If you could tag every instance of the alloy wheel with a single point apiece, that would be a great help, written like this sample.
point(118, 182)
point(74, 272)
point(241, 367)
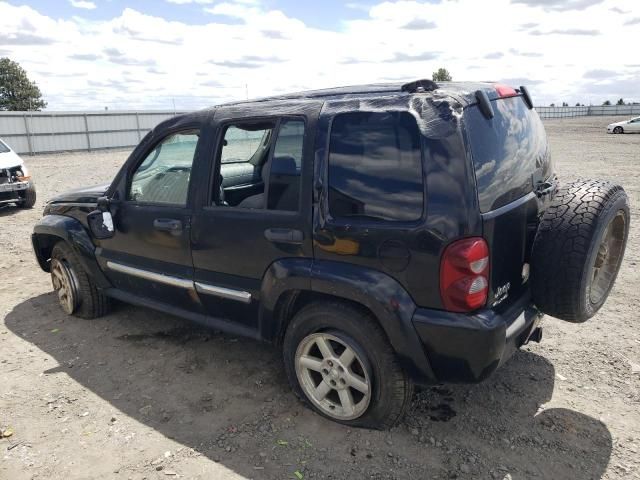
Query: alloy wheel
point(65, 285)
point(608, 258)
point(333, 376)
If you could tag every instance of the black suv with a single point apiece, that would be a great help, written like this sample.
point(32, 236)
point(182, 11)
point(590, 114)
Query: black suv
point(381, 235)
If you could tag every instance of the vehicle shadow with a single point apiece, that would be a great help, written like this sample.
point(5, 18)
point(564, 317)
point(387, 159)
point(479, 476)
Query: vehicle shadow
point(228, 399)
point(8, 209)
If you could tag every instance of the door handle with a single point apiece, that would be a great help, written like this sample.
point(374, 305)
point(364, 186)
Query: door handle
point(284, 235)
point(168, 225)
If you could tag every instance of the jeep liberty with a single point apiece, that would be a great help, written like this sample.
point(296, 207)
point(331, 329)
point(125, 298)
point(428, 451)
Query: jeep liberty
point(382, 236)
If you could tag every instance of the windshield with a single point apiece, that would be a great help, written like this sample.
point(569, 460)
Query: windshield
point(3, 148)
point(510, 152)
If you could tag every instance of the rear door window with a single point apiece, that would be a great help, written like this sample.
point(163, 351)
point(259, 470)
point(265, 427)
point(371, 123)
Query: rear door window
point(3, 147)
point(510, 152)
point(375, 167)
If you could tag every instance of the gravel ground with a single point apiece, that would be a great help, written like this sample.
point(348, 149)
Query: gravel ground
point(139, 394)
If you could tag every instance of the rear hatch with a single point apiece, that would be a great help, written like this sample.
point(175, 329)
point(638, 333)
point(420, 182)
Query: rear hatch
point(515, 181)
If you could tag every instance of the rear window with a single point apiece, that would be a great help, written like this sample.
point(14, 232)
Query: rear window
point(375, 167)
point(3, 147)
point(510, 152)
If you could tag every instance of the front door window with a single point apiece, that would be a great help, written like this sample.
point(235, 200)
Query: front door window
point(163, 176)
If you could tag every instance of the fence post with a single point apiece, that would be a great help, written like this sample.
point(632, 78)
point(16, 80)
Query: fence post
point(86, 129)
point(138, 126)
point(26, 128)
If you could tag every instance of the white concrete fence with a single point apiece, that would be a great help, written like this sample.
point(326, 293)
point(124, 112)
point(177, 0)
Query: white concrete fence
point(48, 132)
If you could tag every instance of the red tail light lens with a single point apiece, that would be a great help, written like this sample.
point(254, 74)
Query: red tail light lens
point(505, 90)
point(464, 275)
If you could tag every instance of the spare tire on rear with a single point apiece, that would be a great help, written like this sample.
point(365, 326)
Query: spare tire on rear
point(578, 249)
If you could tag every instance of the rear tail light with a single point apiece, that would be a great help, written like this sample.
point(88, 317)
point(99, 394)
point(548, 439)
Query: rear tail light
point(464, 275)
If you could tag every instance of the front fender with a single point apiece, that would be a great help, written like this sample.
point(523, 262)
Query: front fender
point(53, 228)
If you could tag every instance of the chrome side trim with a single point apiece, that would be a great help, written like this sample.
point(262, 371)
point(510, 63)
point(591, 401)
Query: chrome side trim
point(152, 276)
point(244, 297)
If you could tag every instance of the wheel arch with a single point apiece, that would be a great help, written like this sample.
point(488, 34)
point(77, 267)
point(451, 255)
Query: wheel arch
point(52, 229)
point(291, 284)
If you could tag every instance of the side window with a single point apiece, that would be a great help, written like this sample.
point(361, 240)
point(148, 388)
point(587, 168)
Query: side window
point(258, 171)
point(163, 176)
point(241, 143)
point(375, 167)
point(286, 165)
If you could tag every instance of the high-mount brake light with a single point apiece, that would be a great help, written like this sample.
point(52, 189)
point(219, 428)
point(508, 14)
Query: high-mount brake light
point(464, 275)
point(505, 90)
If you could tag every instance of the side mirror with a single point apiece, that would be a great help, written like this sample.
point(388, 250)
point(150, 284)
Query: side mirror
point(100, 221)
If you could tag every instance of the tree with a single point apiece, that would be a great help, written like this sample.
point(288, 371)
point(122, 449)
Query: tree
point(441, 75)
point(17, 92)
point(620, 102)
point(565, 104)
point(578, 104)
point(606, 103)
point(552, 104)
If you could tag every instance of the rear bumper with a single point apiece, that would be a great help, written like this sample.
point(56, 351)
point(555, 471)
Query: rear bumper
point(468, 348)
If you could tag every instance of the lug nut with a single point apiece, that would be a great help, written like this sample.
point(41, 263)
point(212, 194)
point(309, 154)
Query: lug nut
point(325, 371)
point(330, 363)
point(333, 383)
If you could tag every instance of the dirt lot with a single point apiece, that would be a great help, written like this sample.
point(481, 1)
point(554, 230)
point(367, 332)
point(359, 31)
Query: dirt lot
point(139, 394)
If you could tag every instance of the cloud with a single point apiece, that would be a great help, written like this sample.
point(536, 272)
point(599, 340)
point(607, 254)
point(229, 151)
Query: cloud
point(525, 54)
point(566, 31)
point(559, 5)
point(618, 10)
point(419, 24)
point(274, 34)
point(494, 55)
point(600, 74)
point(247, 61)
point(252, 43)
point(633, 21)
point(89, 57)
point(420, 57)
point(84, 4)
point(186, 2)
point(18, 38)
point(518, 81)
point(116, 56)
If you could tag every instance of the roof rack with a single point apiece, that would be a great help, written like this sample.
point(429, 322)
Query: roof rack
point(420, 86)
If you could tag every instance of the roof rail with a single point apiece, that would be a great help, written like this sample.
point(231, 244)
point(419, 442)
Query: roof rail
point(419, 86)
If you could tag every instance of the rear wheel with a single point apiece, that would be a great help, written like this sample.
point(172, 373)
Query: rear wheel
point(339, 361)
point(618, 130)
point(578, 249)
point(76, 291)
point(28, 197)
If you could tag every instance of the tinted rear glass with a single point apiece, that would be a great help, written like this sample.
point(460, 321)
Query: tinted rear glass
point(375, 167)
point(3, 148)
point(509, 151)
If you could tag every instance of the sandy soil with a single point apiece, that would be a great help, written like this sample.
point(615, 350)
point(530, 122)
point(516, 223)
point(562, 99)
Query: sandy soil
point(139, 394)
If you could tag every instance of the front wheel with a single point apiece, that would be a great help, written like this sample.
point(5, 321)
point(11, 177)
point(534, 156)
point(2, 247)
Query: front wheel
point(76, 291)
point(339, 361)
point(28, 197)
point(618, 130)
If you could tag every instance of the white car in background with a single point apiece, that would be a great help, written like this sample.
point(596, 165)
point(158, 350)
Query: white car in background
point(16, 185)
point(627, 126)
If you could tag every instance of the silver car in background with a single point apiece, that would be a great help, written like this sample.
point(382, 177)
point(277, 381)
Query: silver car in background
point(16, 184)
point(626, 126)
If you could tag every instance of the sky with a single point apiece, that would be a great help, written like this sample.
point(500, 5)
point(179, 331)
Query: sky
point(189, 54)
